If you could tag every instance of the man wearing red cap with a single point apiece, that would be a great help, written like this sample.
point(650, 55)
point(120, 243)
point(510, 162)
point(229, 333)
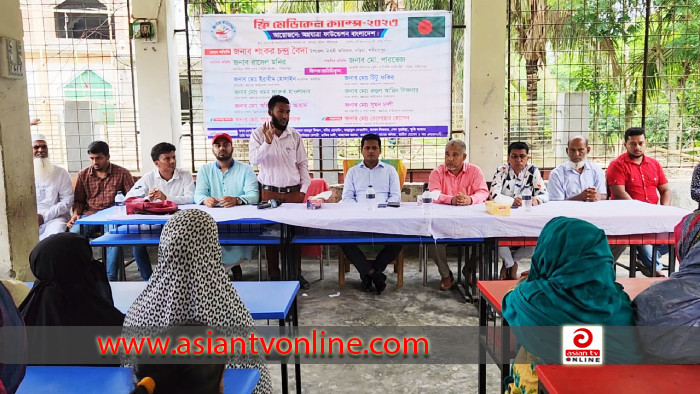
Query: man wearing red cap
point(284, 169)
point(227, 183)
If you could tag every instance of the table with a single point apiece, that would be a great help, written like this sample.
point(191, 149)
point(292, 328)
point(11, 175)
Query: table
point(564, 379)
point(651, 224)
point(500, 349)
point(118, 380)
point(237, 226)
point(255, 296)
point(445, 222)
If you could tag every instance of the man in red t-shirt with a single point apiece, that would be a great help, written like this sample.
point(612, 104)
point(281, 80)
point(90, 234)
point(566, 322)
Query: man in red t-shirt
point(634, 176)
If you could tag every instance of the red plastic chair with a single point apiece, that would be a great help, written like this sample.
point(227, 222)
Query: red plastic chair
point(318, 185)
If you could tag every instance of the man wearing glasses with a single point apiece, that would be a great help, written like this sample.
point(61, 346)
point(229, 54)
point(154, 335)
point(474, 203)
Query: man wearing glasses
point(510, 180)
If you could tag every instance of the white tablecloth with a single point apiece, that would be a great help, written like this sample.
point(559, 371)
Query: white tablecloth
point(620, 217)
point(614, 217)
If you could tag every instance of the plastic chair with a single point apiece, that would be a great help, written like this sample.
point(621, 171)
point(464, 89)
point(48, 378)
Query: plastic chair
point(318, 185)
point(343, 263)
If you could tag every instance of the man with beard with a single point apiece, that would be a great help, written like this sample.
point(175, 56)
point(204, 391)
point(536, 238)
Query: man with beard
point(54, 190)
point(165, 182)
point(634, 176)
point(227, 183)
point(460, 184)
point(95, 189)
point(578, 179)
point(284, 170)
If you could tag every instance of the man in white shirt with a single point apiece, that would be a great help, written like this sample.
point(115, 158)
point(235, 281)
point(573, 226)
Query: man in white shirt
point(165, 182)
point(385, 181)
point(284, 170)
point(54, 190)
point(578, 179)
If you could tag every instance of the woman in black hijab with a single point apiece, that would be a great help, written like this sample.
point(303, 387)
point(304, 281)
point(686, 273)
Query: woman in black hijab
point(71, 288)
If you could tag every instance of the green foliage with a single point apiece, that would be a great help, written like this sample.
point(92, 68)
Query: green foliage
point(598, 46)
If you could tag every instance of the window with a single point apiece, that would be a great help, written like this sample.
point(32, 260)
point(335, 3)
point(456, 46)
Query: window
point(83, 19)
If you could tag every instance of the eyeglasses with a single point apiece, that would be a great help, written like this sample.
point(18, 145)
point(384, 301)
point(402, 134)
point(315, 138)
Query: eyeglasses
point(516, 157)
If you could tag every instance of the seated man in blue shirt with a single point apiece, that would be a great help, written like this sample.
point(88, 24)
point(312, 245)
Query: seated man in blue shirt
point(385, 181)
point(227, 183)
point(578, 179)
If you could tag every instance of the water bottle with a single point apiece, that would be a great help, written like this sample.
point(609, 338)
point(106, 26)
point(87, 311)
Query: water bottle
point(426, 201)
point(371, 198)
point(527, 198)
point(119, 203)
point(140, 192)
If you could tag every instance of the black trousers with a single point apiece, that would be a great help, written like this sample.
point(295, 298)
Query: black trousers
point(359, 260)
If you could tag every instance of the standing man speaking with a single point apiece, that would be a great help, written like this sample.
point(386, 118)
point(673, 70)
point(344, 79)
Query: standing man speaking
point(279, 152)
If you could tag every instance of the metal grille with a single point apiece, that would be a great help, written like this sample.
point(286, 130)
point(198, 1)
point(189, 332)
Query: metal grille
point(597, 67)
point(417, 153)
point(80, 78)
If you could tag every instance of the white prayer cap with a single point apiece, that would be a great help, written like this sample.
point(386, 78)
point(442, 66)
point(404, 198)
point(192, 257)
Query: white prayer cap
point(38, 137)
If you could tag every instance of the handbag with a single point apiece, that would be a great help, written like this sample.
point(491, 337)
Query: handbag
point(139, 205)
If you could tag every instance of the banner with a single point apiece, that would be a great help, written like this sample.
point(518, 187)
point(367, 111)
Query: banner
point(345, 75)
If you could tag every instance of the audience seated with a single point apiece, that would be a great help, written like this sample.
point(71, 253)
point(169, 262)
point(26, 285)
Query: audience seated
point(578, 179)
point(571, 281)
point(510, 180)
point(460, 184)
point(227, 183)
point(71, 289)
point(385, 181)
point(54, 190)
point(165, 182)
point(179, 379)
point(636, 176)
point(18, 290)
point(675, 302)
point(189, 285)
point(11, 375)
point(95, 189)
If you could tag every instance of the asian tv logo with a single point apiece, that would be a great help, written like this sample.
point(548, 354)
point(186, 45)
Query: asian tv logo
point(582, 345)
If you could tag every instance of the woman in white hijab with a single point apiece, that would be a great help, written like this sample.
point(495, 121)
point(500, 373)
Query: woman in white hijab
point(189, 285)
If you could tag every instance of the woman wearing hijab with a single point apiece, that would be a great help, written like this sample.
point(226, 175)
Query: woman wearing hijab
point(71, 289)
point(571, 282)
point(189, 285)
point(673, 306)
point(11, 375)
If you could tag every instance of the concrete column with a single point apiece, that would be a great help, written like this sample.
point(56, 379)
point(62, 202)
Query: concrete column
point(485, 63)
point(19, 230)
point(157, 81)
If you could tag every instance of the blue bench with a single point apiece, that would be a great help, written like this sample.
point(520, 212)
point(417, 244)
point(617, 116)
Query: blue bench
point(149, 235)
point(117, 380)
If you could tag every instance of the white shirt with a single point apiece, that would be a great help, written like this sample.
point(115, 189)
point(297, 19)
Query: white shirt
point(565, 182)
point(54, 196)
point(283, 162)
point(383, 178)
point(179, 189)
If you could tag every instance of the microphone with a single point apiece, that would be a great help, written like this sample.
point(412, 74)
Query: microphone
point(269, 204)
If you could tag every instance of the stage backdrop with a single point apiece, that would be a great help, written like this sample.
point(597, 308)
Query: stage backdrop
point(345, 75)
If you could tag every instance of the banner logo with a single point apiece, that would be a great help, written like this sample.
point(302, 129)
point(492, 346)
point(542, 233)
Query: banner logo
point(223, 31)
point(582, 345)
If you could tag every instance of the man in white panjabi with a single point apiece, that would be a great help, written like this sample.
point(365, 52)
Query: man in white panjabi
point(54, 190)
